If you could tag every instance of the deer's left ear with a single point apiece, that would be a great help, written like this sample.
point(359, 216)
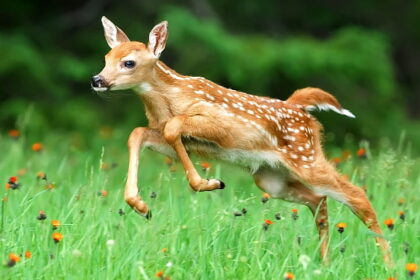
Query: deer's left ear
point(157, 38)
point(113, 35)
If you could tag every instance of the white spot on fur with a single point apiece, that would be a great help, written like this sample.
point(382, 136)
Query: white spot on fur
point(210, 97)
point(145, 87)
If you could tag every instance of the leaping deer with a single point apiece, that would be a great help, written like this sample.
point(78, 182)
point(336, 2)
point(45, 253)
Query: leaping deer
point(279, 142)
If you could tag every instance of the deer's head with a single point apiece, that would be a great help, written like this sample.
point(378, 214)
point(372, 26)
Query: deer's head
point(128, 63)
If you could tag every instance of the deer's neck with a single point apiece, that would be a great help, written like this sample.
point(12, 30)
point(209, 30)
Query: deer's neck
point(161, 93)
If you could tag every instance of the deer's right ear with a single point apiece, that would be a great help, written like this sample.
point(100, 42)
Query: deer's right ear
point(113, 35)
point(157, 38)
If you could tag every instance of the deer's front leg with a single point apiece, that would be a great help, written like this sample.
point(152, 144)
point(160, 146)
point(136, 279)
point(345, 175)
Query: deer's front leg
point(172, 133)
point(138, 137)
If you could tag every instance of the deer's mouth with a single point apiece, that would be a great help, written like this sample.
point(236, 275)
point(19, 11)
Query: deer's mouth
point(100, 89)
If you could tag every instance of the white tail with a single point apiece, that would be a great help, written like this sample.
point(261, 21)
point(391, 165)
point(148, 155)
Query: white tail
point(278, 141)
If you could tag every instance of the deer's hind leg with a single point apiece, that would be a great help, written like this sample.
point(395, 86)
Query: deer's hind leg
point(279, 184)
point(325, 180)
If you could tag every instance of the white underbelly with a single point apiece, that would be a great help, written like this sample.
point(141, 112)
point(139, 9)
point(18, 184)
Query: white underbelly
point(251, 160)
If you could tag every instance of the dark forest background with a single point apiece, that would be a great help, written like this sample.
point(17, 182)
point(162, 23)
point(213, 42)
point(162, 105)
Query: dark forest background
point(365, 52)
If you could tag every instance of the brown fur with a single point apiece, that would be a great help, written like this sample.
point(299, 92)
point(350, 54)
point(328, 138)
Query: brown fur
point(313, 96)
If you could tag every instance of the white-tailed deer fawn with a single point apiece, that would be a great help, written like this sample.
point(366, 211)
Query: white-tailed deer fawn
point(279, 142)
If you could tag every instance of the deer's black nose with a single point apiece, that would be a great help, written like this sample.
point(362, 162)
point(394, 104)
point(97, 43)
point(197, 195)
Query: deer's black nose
point(97, 81)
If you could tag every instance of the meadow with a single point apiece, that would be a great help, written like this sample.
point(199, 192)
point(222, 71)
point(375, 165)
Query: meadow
point(191, 235)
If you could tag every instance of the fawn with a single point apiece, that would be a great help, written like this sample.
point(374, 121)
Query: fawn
point(279, 142)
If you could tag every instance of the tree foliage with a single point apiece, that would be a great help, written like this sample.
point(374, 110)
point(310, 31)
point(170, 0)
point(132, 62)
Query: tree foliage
point(49, 64)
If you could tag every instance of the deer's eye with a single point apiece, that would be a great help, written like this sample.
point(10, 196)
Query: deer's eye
point(129, 64)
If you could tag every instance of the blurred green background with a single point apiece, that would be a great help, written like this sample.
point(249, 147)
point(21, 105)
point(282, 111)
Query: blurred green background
point(364, 52)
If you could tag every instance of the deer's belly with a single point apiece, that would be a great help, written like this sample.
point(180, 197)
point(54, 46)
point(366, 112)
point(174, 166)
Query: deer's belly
point(251, 159)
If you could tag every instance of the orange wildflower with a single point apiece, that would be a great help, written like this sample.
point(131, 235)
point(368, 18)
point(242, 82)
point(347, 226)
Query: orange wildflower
point(336, 160)
point(401, 201)
point(265, 197)
point(402, 215)
point(12, 183)
point(341, 227)
point(49, 186)
point(322, 222)
point(57, 237)
point(13, 257)
point(289, 276)
point(361, 153)
point(411, 268)
point(14, 133)
point(28, 254)
point(164, 250)
point(41, 175)
point(205, 165)
point(42, 215)
point(13, 180)
point(389, 223)
point(295, 215)
point(268, 222)
point(37, 147)
point(159, 273)
point(103, 193)
point(55, 224)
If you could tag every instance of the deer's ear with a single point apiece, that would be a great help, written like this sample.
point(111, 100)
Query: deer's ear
point(157, 38)
point(113, 35)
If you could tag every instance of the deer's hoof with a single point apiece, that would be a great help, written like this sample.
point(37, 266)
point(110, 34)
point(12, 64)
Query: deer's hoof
point(148, 215)
point(222, 184)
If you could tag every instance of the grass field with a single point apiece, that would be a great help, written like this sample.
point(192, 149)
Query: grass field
point(191, 235)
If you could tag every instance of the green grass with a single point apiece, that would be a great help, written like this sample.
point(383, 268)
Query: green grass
point(203, 238)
